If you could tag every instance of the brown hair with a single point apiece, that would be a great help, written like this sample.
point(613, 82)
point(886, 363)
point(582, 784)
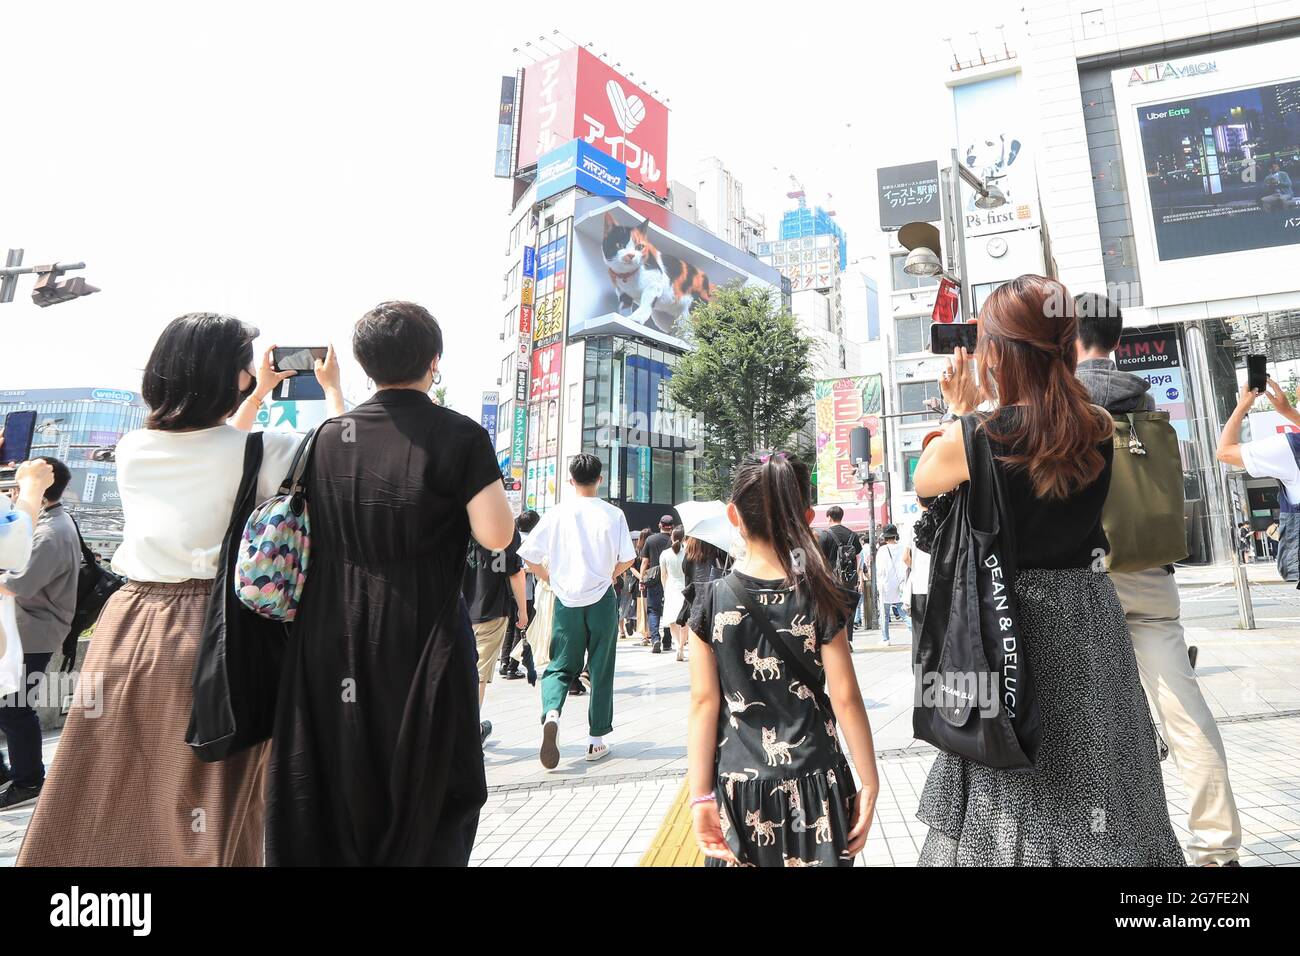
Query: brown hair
point(676, 539)
point(699, 551)
point(1028, 329)
point(773, 492)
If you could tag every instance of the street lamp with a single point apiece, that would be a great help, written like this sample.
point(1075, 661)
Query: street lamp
point(922, 239)
point(51, 288)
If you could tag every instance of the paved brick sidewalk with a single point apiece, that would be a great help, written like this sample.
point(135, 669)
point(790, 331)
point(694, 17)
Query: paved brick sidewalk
point(613, 824)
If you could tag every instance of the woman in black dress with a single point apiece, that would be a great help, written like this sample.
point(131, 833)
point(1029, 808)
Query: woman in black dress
point(376, 757)
point(1095, 796)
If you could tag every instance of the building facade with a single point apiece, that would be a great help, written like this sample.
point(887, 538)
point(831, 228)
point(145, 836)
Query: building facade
point(591, 329)
point(1163, 130)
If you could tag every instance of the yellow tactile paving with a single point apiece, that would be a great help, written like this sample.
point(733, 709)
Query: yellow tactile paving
point(674, 844)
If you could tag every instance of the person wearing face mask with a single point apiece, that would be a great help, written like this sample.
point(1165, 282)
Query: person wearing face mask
point(124, 789)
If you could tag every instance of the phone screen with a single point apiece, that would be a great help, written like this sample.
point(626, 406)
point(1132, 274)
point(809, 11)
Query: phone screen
point(19, 429)
point(303, 386)
point(945, 338)
point(1257, 372)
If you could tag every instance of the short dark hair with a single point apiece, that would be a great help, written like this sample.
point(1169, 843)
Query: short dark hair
point(835, 513)
point(192, 377)
point(62, 475)
point(396, 342)
point(528, 521)
point(1100, 322)
point(585, 469)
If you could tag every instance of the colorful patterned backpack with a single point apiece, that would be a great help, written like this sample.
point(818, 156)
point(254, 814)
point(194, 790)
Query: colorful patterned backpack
point(271, 566)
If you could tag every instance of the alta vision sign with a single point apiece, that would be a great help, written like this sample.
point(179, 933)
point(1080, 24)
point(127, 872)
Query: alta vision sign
point(1159, 72)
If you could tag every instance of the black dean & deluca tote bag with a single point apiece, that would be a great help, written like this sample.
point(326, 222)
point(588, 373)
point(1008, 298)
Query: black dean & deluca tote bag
point(975, 693)
point(237, 671)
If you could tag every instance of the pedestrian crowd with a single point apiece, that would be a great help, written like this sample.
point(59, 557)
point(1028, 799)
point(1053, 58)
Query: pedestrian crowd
point(348, 729)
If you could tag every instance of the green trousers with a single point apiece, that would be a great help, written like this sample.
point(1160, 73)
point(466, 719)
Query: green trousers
point(584, 633)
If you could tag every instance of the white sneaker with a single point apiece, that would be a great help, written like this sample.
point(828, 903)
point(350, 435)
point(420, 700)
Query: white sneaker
point(550, 754)
point(595, 753)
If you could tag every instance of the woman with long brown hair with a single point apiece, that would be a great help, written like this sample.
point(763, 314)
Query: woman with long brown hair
point(1095, 796)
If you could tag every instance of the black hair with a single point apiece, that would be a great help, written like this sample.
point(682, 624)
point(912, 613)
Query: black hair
point(773, 492)
point(62, 475)
point(835, 513)
point(677, 537)
point(396, 342)
point(585, 469)
point(1100, 322)
point(192, 377)
point(528, 521)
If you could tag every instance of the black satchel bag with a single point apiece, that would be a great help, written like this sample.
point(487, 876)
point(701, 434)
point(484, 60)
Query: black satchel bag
point(237, 671)
point(975, 693)
point(95, 585)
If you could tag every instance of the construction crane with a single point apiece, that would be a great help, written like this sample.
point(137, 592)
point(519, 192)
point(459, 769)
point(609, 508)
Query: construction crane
point(796, 192)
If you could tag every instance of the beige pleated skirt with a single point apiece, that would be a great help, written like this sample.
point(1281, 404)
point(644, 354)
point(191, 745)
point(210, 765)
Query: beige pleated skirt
point(124, 788)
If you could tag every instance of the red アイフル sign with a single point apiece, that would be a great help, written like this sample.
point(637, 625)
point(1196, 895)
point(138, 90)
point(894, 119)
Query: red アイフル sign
point(576, 95)
point(546, 374)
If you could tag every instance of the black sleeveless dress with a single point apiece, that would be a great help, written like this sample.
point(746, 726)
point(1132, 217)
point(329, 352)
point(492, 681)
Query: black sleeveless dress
point(783, 786)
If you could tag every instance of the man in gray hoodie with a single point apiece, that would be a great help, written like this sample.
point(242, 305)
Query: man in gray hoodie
point(1150, 600)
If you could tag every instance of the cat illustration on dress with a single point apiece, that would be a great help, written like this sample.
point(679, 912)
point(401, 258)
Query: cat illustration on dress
point(764, 830)
point(738, 705)
point(765, 668)
point(778, 751)
point(653, 287)
point(726, 619)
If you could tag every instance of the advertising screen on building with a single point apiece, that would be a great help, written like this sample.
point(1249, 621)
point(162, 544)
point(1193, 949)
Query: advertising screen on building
point(1220, 170)
point(637, 269)
point(994, 144)
point(841, 405)
point(908, 193)
point(811, 262)
point(576, 95)
point(1152, 355)
point(505, 128)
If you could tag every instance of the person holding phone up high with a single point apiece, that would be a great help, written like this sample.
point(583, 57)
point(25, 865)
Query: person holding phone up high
point(1273, 456)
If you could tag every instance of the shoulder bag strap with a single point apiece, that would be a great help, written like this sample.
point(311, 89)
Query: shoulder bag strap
point(293, 478)
point(86, 554)
point(781, 642)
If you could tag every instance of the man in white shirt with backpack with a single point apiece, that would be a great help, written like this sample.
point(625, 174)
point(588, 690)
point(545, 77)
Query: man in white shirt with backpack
point(1151, 606)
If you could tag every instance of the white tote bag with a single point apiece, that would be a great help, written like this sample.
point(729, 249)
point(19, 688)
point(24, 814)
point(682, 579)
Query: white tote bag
point(11, 649)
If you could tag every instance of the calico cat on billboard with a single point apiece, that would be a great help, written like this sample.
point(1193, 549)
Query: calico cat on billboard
point(639, 270)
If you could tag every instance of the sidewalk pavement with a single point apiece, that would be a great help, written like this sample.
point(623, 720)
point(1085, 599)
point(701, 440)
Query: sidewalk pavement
point(1250, 679)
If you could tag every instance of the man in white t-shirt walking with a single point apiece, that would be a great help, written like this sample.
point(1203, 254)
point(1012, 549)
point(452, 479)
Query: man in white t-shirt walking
point(580, 547)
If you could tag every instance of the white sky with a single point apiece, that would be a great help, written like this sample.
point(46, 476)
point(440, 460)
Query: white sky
point(295, 163)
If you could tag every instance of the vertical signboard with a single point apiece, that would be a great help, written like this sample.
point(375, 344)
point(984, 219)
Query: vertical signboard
point(488, 413)
point(552, 284)
point(841, 405)
point(993, 143)
point(505, 129)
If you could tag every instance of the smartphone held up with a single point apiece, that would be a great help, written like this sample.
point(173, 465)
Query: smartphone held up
point(302, 360)
point(947, 338)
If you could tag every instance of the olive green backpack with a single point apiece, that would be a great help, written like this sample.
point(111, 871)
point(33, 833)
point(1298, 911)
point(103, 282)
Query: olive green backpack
point(1143, 516)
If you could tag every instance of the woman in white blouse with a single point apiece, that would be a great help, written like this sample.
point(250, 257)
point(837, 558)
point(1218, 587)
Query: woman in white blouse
point(670, 572)
point(124, 788)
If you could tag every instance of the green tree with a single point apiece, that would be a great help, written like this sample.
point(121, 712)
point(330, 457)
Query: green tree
point(749, 379)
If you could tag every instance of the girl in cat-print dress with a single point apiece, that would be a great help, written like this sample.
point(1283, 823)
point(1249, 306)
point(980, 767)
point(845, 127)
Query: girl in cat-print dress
point(770, 784)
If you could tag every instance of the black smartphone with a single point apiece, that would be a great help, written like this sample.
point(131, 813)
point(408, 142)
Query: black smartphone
point(303, 386)
point(20, 427)
point(1257, 372)
point(945, 338)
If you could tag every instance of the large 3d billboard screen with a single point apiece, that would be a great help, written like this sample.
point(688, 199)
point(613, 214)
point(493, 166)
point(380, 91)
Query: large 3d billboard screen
point(636, 269)
point(576, 95)
point(1220, 170)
